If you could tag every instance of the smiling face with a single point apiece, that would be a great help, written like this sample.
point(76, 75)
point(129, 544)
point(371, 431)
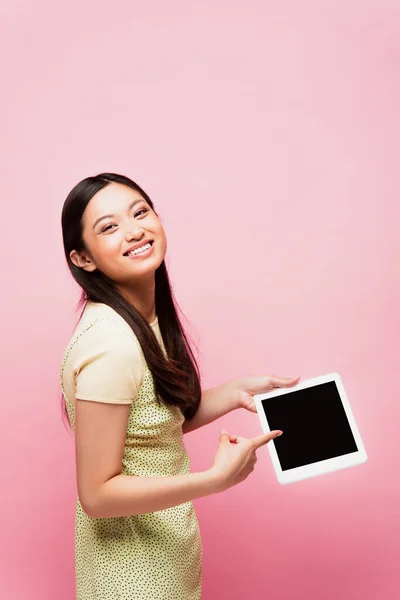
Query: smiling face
point(116, 220)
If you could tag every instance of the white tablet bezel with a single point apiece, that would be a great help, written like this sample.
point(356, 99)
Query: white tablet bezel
point(324, 466)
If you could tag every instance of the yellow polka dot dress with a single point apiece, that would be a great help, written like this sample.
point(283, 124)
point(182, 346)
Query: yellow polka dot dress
point(153, 556)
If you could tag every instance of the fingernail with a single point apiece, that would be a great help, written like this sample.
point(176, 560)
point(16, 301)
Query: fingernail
point(280, 433)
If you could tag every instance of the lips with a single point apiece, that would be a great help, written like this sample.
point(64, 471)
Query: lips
point(135, 246)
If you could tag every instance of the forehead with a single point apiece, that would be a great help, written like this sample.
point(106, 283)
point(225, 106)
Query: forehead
point(112, 199)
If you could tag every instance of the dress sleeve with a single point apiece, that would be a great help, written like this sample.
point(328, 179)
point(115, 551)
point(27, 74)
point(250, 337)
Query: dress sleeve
point(108, 364)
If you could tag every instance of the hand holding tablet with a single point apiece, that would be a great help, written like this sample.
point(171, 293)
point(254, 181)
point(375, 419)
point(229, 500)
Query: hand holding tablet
point(320, 434)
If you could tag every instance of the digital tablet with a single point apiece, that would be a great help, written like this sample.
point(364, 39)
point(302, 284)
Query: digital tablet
point(320, 434)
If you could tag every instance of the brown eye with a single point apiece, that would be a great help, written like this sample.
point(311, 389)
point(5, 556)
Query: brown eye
point(107, 227)
point(142, 210)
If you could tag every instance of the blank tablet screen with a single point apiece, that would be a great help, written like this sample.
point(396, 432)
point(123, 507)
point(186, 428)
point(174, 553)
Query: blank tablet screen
point(314, 425)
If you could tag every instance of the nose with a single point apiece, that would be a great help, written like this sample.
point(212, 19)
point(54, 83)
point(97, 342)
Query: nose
point(134, 230)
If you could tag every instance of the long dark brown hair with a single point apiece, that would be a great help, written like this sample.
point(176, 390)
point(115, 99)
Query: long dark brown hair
point(177, 377)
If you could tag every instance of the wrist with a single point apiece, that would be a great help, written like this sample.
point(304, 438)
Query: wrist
point(216, 481)
point(232, 394)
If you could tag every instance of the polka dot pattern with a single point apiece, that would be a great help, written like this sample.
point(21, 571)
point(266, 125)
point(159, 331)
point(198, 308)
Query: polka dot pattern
point(153, 556)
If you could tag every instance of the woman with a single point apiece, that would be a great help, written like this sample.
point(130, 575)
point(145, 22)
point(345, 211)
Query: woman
point(131, 387)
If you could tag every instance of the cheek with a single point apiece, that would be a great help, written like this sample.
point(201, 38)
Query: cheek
point(163, 240)
point(160, 233)
point(108, 248)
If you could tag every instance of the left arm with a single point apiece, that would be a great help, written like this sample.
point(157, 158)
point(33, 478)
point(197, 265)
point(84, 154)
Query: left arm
point(238, 393)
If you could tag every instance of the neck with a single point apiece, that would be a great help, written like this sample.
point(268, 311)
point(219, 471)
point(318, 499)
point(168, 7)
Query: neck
point(143, 298)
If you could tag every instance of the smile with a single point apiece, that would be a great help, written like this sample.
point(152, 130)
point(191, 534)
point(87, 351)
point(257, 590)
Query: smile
point(144, 250)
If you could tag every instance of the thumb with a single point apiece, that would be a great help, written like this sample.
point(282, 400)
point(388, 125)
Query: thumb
point(224, 437)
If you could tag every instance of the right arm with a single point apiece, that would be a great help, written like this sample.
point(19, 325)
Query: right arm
point(104, 492)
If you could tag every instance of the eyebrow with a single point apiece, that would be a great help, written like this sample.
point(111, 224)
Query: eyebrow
point(132, 204)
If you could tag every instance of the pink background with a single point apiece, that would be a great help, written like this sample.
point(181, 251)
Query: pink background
point(267, 134)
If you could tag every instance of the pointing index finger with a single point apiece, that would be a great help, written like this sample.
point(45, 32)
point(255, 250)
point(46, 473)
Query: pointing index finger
point(261, 440)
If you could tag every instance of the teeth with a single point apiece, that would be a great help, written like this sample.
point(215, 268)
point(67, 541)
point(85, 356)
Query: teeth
point(138, 250)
